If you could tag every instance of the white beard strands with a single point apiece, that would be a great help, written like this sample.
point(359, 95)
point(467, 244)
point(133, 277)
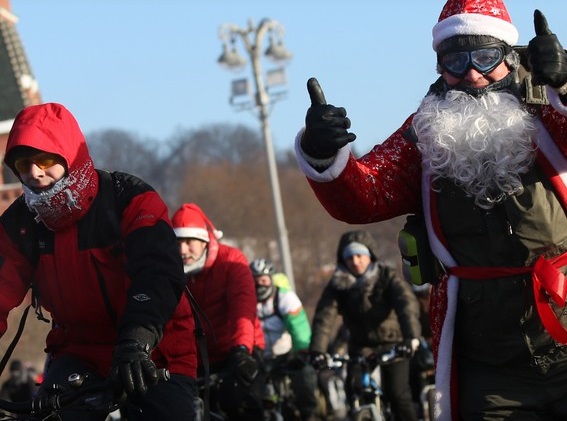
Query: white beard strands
point(483, 143)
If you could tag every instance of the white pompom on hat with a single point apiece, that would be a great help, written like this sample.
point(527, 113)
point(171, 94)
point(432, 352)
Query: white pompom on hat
point(190, 222)
point(475, 17)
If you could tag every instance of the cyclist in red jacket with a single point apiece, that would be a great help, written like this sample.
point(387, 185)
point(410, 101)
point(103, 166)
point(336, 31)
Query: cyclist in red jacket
point(100, 250)
point(219, 278)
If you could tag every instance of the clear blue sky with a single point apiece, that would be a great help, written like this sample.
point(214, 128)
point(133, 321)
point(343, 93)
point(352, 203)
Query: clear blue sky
point(150, 67)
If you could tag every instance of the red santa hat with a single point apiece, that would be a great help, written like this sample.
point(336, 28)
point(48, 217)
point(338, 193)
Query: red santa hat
point(475, 17)
point(189, 221)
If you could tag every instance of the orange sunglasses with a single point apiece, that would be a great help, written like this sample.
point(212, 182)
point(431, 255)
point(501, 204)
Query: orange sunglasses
point(42, 160)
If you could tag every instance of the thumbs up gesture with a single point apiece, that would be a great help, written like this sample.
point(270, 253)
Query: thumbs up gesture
point(546, 57)
point(326, 126)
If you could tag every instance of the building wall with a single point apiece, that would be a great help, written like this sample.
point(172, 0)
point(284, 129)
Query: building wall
point(29, 94)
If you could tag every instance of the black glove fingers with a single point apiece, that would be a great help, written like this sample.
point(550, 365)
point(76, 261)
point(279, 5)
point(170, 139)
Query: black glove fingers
point(325, 112)
point(126, 378)
point(243, 366)
point(315, 92)
point(150, 372)
point(325, 125)
point(133, 367)
point(540, 24)
point(546, 57)
point(334, 122)
point(139, 383)
point(344, 139)
point(339, 111)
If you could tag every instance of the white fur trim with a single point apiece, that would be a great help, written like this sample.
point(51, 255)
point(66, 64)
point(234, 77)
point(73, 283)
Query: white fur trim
point(6, 125)
point(331, 173)
point(192, 232)
point(474, 24)
point(551, 152)
point(555, 100)
point(444, 355)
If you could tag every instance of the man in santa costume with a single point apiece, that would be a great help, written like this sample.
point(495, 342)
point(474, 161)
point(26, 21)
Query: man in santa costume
point(484, 160)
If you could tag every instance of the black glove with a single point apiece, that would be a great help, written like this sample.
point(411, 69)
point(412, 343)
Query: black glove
point(318, 360)
point(242, 365)
point(132, 366)
point(325, 125)
point(546, 57)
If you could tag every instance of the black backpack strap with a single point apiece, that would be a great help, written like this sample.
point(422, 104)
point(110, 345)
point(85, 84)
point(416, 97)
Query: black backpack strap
point(277, 311)
point(201, 342)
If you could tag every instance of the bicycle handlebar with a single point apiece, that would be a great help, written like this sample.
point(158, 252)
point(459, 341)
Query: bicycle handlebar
point(101, 395)
point(380, 358)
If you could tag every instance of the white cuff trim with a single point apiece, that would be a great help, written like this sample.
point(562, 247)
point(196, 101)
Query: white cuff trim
point(331, 173)
point(555, 100)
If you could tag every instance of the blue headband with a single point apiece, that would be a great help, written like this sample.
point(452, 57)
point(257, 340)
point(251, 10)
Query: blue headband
point(355, 248)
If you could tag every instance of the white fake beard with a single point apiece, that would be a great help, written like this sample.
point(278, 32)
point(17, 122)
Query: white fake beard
point(483, 143)
point(196, 266)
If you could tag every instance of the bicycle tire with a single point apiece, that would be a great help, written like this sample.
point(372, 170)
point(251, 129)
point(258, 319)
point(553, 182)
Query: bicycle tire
point(364, 414)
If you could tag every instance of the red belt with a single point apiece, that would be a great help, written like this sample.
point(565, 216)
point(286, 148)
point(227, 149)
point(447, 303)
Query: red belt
point(546, 278)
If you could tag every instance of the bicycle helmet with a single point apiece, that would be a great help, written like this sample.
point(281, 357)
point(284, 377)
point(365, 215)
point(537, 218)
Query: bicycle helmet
point(261, 267)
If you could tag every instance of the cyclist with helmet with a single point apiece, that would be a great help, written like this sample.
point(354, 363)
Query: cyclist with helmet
point(287, 333)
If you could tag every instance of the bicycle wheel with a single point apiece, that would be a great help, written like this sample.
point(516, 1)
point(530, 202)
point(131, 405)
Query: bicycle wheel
point(364, 414)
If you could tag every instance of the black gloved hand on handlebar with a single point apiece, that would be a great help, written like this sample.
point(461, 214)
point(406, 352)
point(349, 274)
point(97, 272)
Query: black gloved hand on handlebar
point(318, 360)
point(242, 365)
point(326, 126)
point(132, 366)
point(546, 57)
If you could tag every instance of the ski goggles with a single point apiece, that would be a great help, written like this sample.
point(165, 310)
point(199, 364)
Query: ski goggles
point(484, 60)
point(42, 160)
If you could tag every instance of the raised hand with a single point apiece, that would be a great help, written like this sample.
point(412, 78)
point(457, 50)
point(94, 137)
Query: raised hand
point(326, 126)
point(546, 57)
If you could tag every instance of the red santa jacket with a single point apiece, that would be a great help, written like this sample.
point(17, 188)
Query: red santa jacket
point(387, 182)
point(225, 291)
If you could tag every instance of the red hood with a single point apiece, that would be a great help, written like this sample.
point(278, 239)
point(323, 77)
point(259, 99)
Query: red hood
point(52, 128)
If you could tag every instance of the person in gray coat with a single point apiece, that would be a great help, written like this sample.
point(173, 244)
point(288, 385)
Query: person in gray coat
point(379, 310)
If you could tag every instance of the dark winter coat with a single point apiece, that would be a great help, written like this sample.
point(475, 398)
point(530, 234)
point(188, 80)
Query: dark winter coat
point(378, 308)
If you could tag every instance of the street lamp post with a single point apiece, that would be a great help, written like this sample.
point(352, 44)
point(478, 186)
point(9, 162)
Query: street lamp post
point(252, 37)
